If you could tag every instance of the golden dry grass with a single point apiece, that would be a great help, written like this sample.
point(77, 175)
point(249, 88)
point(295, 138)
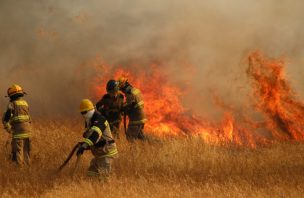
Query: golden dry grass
point(167, 168)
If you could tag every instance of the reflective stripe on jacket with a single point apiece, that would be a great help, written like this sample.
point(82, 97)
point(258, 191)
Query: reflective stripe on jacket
point(19, 119)
point(99, 137)
point(135, 107)
point(20, 112)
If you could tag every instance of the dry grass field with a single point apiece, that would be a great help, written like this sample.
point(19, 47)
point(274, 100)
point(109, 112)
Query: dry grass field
point(162, 168)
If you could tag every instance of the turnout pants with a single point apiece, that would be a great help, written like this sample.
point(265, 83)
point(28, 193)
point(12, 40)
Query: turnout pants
point(21, 151)
point(100, 167)
point(135, 132)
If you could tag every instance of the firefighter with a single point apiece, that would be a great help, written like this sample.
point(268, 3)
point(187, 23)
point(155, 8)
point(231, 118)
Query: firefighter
point(134, 109)
point(16, 120)
point(98, 139)
point(110, 106)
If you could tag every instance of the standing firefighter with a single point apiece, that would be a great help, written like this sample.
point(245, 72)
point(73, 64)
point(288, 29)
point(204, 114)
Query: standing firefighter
point(110, 106)
point(134, 109)
point(16, 120)
point(99, 140)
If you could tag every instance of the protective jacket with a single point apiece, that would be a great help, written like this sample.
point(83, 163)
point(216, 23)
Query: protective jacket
point(134, 106)
point(111, 107)
point(17, 118)
point(98, 137)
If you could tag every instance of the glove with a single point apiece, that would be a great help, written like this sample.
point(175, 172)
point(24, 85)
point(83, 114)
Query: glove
point(81, 149)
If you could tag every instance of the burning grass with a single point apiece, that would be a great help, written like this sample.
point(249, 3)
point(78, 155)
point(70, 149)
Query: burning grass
point(276, 99)
point(272, 97)
point(171, 167)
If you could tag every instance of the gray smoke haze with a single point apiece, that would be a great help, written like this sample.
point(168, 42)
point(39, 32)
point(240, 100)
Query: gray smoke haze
point(44, 43)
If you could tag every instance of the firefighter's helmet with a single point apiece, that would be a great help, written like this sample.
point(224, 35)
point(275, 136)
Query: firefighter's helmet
point(14, 90)
point(112, 85)
point(86, 105)
point(122, 81)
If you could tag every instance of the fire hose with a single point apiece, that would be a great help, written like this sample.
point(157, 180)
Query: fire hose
point(69, 157)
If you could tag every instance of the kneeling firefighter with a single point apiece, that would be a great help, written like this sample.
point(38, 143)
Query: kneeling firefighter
point(17, 121)
point(98, 139)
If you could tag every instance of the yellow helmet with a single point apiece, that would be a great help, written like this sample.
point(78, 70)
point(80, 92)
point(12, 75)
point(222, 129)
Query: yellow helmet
point(14, 89)
point(86, 105)
point(122, 81)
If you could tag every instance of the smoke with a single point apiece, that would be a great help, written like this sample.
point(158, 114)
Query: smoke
point(47, 45)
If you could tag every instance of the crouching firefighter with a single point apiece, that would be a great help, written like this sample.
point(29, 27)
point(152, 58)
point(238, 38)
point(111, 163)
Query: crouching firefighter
point(17, 121)
point(98, 139)
point(134, 109)
point(110, 106)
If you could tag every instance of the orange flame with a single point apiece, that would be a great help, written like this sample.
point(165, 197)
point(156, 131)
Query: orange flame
point(276, 100)
point(168, 117)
